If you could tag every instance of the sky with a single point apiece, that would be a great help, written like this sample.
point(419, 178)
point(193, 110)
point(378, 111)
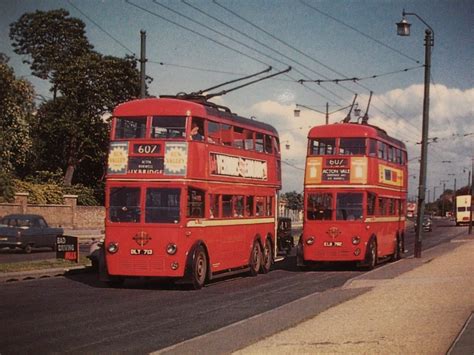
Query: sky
point(192, 45)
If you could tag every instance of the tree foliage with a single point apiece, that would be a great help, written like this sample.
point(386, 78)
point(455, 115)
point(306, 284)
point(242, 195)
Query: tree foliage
point(71, 130)
point(16, 107)
point(294, 199)
point(52, 39)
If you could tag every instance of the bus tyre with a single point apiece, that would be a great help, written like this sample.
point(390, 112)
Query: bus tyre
point(267, 257)
point(199, 271)
point(371, 257)
point(397, 254)
point(255, 259)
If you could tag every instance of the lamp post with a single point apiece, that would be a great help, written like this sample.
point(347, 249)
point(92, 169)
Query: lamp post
point(403, 29)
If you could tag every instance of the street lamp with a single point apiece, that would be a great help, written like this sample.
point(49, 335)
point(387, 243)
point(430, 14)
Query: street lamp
point(403, 29)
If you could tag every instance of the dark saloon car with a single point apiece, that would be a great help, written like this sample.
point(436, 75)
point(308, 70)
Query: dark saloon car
point(284, 237)
point(427, 224)
point(27, 231)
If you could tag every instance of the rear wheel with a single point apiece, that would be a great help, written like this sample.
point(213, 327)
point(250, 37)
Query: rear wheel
point(199, 272)
point(28, 249)
point(371, 258)
point(397, 255)
point(267, 257)
point(255, 259)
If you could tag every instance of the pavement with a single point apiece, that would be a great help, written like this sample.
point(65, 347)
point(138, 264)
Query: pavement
point(425, 310)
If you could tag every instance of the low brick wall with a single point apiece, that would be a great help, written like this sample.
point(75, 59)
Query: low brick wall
point(68, 215)
point(90, 217)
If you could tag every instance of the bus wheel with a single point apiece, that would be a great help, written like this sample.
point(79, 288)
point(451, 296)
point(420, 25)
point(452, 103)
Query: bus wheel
point(199, 273)
point(371, 259)
point(255, 259)
point(397, 254)
point(267, 257)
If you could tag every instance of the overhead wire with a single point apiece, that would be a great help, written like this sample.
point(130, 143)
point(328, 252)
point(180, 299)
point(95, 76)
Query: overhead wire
point(100, 27)
point(240, 42)
point(360, 32)
point(196, 33)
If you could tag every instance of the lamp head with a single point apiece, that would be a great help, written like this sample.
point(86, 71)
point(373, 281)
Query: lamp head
point(403, 27)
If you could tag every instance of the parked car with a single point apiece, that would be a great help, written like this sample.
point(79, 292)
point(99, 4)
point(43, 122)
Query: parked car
point(27, 231)
point(427, 224)
point(284, 237)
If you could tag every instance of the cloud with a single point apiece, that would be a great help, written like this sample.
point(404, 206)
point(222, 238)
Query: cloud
point(399, 112)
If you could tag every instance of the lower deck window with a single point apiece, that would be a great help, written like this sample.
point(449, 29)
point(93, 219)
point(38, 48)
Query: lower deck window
point(124, 204)
point(162, 205)
point(319, 206)
point(349, 206)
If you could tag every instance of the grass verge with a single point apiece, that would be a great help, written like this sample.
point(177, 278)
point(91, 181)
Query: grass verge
point(42, 264)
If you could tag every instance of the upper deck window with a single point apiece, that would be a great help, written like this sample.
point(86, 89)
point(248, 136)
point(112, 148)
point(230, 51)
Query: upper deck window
point(168, 127)
point(238, 141)
point(352, 146)
point(323, 146)
point(214, 132)
point(130, 127)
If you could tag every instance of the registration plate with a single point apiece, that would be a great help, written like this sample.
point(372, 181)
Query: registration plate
point(332, 244)
point(141, 251)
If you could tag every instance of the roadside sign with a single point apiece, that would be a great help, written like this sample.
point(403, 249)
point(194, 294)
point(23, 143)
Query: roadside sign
point(67, 247)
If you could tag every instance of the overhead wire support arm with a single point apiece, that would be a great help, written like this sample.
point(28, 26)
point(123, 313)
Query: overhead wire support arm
point(230, 82)
point(223, 92)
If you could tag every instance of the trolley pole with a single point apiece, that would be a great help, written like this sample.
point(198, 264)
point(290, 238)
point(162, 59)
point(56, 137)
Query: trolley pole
point(142, 63)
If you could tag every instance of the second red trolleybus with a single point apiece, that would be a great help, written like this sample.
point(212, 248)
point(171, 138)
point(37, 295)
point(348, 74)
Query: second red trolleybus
point(191, 191)
point(354, 195)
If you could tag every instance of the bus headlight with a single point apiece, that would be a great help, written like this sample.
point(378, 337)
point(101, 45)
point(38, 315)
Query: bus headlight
point(171, 248)
point(310, 241)
point(355, 240)
point(112, 247)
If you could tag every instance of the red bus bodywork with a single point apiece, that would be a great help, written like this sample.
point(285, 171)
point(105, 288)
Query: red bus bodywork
point(354, 194)
point(215, 193)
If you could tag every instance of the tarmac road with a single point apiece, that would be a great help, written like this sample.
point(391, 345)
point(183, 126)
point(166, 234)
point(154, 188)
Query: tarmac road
point(78, 314)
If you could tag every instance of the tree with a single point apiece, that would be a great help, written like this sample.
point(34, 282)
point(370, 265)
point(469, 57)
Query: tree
point(295, 200)
point(16, 107)
point(87, 84)
point(51, 38)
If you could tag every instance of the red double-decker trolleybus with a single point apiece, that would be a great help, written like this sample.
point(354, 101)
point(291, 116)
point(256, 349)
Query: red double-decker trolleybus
point(191, 191)
point(354, 196)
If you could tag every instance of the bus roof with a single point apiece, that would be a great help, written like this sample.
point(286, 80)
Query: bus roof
point(185, 107)
point(352, 130)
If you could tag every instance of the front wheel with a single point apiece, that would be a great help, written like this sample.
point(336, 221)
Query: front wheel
point(371, 258)
point(28, 249)
point(255, 259)
point(199, 272)
point(267, 257)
